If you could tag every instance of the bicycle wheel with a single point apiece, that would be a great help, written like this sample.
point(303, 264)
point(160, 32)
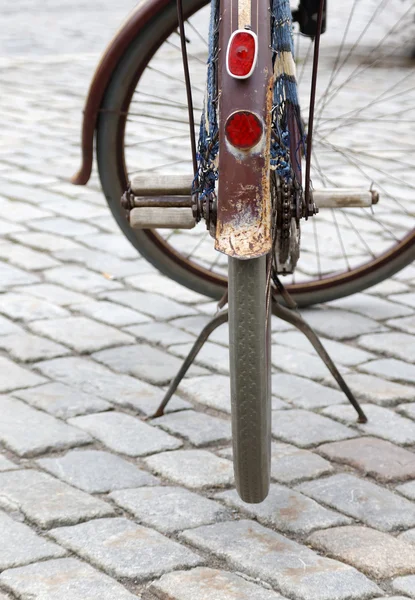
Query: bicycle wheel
point(249, 356)
point(364, 111)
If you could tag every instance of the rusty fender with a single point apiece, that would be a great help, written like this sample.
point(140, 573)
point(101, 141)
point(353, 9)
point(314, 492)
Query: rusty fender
point(243, 227)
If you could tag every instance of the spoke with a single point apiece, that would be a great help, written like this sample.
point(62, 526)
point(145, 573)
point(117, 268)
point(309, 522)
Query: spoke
point(196, 58)
point(172, 77)
point(197, 246)
point(197, 32)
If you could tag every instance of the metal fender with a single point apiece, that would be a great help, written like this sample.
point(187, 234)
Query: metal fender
point(140, 16)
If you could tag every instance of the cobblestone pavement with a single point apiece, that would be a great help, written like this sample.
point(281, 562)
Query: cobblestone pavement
point(97, 502)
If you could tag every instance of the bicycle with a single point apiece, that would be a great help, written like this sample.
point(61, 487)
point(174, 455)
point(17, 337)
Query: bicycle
point(137, 54)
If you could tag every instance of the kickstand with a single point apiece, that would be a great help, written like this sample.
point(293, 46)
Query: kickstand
point(287, 313)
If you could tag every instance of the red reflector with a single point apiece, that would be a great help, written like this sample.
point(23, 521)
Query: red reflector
point(243, 130)
point(242, 53)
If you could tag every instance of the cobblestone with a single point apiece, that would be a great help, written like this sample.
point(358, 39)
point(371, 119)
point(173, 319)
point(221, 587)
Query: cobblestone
point(111, 313)
point(406, 324)
point(27, 348)
point(213, 391)
point(81, 334)
point(95, 471)
point(287, 510)
point(25, 258)
point(207, 584)
point(124, 549)
point(66, 578)
point(376, 458)
point(290, 464)
point(382, 422)
point(294, 569)
point(27, 308)
point(10, 276)
point(198, 428)
point(53, 293)
point(6, 464)
point(28, 432)
point(167, 509)
point(80, 279)
point(47, 501)
point(375, 308)
point(407, 489)
point(159, 333)
point(7, 327)
point(192, 468)
point(303, 393)
point(377, 554)
point(154, 305)
point(390, 368)
point(125, 434)
point(370, 503)
point(20, 545)
point(61, 400)
point(339, 324)
point(305, 429)
point(377, 390)
point(398, 345)
point(405, 585)
point(145, 362)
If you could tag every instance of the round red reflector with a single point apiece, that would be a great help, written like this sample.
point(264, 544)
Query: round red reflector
point(243, 129)
point(241, 53)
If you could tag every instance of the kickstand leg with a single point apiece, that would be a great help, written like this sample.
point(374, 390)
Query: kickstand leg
point(217, 320)
point(291, 316)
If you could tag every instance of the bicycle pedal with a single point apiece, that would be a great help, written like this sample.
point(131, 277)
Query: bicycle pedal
point(161, 185)
point(148, 217)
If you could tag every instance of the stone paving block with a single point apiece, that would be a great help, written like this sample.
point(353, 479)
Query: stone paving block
point(110, 313)
point(117, 245)
point(80, 280)
point(211, 356)
point(21, 211)
point(145, 362)
point(27, 431)
point(294, 569)
point(101, 262)
point(81, 334)
point(406, 324)
point(387, 287)
point(407, 489)
point(375, 308)
point(25, 258)
point(74, 209)
point(6, 464)
point(28, 308)
point(53, 293)
point(124, 549)
point(377, 458)
point(44, 241)
point(63, 226)
point(63, 579)
point(170, 509)
point(93, 378)
point(301, 363)
point(339, 324)
point(303, 393)
point(304, 428)
point(193, 324)
point(340, 353)
point(405, 585)
point(159, 333)
point(7, 327)
point(126, 434)
point(192, 468)
point(47, 501)
point(212, 390)
point(154, 305)
point(26, 347)
point(20, 545)
point(377, 554)
point(397, 345)
point(408, 410)
point(391, 368)
point(207, 584)
point(377, 390)
point(409, 537)
point(382, 422)
point(197, 427)
point(61, 400)
point(157, 283)
point(10, 276)
point(96, 472)
point(374, 505)
point(287, 510)
point(408, 299)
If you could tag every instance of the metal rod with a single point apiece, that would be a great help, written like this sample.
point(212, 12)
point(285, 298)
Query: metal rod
point(218, 320)
point(312, 103)
point(296, 319)
point(188, 85)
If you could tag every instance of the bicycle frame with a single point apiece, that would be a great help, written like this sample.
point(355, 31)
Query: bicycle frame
point(243, 226)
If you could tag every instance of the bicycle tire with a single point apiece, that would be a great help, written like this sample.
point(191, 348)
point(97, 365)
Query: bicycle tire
point(113, 175)
point(250, 360)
